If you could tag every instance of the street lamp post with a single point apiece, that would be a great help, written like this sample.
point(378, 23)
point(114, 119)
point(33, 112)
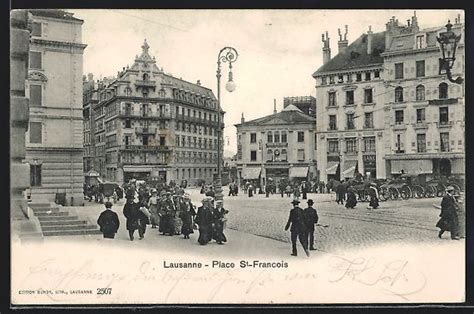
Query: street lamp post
point(226, 55)
point(448, 42)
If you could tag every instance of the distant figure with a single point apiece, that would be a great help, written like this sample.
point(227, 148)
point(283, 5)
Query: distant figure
point(340, 193)
point(351, 198)
point(298, 228)
point(250, 190)
point(108, 222)
point(311, 219)
point(304, 190)
point(374, 196)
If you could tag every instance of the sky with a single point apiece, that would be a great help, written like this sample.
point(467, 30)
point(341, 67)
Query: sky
point(278, 49)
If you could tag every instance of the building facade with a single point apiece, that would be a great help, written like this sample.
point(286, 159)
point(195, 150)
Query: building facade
point(280, 146)
point(148, 125)
point(307, 104)
point(90, 99)
point(54, 141)
point(350, 116)
point(387, 109)
point(424, 112)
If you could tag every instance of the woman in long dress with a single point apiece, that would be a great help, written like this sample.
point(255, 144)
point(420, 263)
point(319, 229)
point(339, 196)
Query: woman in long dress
point(187, 214)
point(204, 219)
point(153, 207)
point(218, 223)
point(374, 196)
point(351, 198)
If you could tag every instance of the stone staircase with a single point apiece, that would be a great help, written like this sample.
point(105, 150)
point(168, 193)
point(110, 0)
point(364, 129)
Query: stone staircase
point(57, 222)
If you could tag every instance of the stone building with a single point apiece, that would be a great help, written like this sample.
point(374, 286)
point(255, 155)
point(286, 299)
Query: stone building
point(350, 117)
point(307, 104)
point(278, 146)
point(387, 109)
point(90, 99)
point(54, 141)
point(424, 111)
point(148, 125)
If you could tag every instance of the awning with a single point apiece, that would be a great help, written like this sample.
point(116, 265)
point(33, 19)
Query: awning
point(298, 172)
point(251, 173)
point(332, 167)
point(419, 166)
point(349, 168)
point(458, 166)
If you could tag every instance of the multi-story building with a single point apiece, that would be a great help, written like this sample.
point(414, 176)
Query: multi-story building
point(350, 117)
point(90, 99)
point(149, 124)
point(54, 141)
point(424, 111)
point(307, 104)
point(278, 146)
point(399, 112)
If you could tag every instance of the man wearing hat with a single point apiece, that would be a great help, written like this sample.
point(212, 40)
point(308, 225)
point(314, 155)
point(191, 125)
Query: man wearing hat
point(311, 218)
point(298, 228)
point(449, 218)
point(204, 219)
point(108, 222)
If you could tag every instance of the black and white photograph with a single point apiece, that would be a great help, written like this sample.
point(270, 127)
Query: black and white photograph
point(210, 156)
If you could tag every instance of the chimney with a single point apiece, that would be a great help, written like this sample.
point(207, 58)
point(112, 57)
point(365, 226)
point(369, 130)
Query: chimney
point(369, 40)
point(242, 120)
point(391, 28)
point(326, 48)
point(414, 23)
point(342, 43)
point(274, 106)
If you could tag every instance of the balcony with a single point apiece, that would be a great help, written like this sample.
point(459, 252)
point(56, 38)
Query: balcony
point(145, 148)
point(447, 101)
point(276, 144)
point(444, 124)
point(333, 154)
point(145, 130)
point(145, 116)
point(420, 125)
point(146, 83)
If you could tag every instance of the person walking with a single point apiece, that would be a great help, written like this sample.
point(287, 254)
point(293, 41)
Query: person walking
point(298, 228)
point(449, 218)
point(340, 194)
point(135, 219)
point(108, 222)
point(311, 219)
point(250, 190)
point(187, 214)
point(204, 220)
point(296, 192)
point(351, 198)
point(178, 223)
point(218, 222)
point(374, 196)
point(304, 190)
point(153, 207)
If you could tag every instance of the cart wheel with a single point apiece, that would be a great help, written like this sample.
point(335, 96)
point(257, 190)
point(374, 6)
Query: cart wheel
point(393, 192)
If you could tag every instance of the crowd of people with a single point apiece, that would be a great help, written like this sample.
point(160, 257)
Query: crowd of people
point(170, 211)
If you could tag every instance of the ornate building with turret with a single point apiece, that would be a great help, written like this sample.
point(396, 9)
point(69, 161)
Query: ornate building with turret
point(146, 124)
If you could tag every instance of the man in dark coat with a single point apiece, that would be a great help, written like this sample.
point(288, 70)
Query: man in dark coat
point(311, 219)
point(340, 193)
point(351, 198)
point(108, 222)
point(304, 190)
point(298, 228)
point(219, 219)
point(449, 218)
point(204, 220)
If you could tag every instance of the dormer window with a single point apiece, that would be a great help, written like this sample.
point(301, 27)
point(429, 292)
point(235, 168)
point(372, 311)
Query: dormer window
point(331, 79)
point(359, 77)
point(420, 42)
point(340, 79)
point(323, 81)
point(145, 76)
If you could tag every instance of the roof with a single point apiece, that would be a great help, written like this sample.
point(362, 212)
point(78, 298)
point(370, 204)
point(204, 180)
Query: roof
point(54, 13)
point(188, 86)
point(355, 56)
point(289, 115)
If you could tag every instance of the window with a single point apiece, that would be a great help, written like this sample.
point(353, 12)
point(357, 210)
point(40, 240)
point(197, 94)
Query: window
point(35, 175)
point(145, 140)
point(36, 133)
point(269, 155)
point(367, 76)
point(399, 94)
point(351, 145)
point(162, 140)
point(419, 42)
point(349, 78)
point(128, 123)
point(444, 141)
point(369, 120)
point(399, 144)
point(177, 141)
point(323, 81)
point(253, 155)
point(253, 137)
point(350, 121)
point(340, 79)
point(398, 70)
point(332, 99)
point(35, 60)
point(420, 115)
point(420, 93)
point(276, 137)
point(358, 77)
point(36, 92)
point(269, 137)
point(443, 115)
point(300, 137)
point(300, 154)
point(36, 29)
point(283, 137)
point(333, 146)
point(350, 97)
point(369, 144)
point(398, 116)
point(443, 91)
point(368, 96)
point(377, 74)
point(420, 68)
point(441, 67)
point(332, 122)
point(331, 79)
point(421, 143)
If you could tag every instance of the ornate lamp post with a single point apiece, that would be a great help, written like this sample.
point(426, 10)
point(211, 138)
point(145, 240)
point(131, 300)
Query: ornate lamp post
point(226, 55)
point(448, 42)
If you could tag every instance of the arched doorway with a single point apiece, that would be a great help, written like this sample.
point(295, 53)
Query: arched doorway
point(445, 167)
